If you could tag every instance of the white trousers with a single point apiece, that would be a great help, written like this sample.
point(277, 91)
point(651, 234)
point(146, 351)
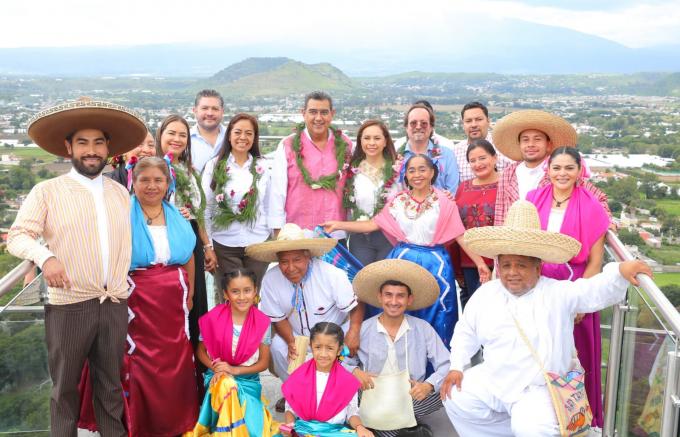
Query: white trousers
point(474, 411)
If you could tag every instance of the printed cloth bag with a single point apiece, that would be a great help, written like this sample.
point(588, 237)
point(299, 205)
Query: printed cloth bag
point(568, 394)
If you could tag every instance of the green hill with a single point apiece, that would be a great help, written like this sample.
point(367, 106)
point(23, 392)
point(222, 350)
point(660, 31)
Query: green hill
point(278, 77)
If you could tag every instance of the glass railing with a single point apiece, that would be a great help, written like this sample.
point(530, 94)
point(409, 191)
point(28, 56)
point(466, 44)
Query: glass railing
point(641, 359)
point(24, 378)
point(640, 340)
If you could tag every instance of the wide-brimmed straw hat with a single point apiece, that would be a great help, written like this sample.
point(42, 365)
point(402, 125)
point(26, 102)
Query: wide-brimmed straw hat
point(421, 282)
point(49, 128)
point(521, 234)
point(290, 237)
point(506, 132)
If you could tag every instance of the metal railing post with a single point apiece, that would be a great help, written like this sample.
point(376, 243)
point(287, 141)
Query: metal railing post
point(613, 370)
point(671, 403)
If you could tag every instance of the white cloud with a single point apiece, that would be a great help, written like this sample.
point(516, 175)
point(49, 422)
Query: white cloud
point(307, 23)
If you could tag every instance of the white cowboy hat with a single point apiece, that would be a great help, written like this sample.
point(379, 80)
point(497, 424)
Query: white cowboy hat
point(521, 234)
point(423, 285)
point(290, 237)
point(49, 128)
point(507, 130)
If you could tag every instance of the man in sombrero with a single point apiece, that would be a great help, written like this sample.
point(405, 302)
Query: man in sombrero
point(85, 220)
point(506, 394)
point(528, 137)
point(397, 345)
point(302, 291)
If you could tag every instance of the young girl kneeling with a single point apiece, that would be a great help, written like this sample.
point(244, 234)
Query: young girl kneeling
point(321, 394)
point(234, 347)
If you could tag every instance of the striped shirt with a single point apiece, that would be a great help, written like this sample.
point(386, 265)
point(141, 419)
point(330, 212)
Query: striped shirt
point(63, 212)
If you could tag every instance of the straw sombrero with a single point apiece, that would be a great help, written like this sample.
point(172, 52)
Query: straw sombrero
point(49, 128)
point(507, 130)
point(290, 237)
point(421, 282)
point(521, 234)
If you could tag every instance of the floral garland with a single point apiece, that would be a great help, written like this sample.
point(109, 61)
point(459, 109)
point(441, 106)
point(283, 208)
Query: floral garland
point(390, 174)
point(435, 153)
point(342, 156)
point(247, 212)
point(183, 191)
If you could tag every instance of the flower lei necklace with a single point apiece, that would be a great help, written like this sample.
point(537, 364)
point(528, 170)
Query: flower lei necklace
point(247, 212)
point(435, 153)
point(327, 182)
point(413, 208)
point(389, 176)
point(184, 190)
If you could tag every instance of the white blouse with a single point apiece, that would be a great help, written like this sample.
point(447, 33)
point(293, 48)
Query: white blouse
point(555, 219)
point(240, 180)
point(367, 189)
point(352, 409)
point(419, 228)
point(161, 245)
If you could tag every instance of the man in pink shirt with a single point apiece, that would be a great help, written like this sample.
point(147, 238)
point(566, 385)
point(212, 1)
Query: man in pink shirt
point(308, 169)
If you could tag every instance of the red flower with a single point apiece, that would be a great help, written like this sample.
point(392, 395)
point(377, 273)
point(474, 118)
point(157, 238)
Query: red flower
point(232, 193)
point(188, 205)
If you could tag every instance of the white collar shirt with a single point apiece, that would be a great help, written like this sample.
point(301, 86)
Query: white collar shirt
point(327, 296)
point(391, 365)
point(546, 314)
point(96, 188)
point(201, 150)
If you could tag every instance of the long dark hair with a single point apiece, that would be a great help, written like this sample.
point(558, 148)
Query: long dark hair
point(225, 150)
point(388, 152)
point(428, 162)
point(185, 157)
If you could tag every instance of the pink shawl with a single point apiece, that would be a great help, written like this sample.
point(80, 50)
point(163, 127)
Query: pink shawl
point(217, 329)
point(585, 220)
point(449, 225)
point(300, 391)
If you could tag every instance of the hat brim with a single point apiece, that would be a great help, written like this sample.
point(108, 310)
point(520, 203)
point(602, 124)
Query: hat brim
point(551, 247)
point(421, 282)
point(507, 130)
point(266, 252)
point(50, 128)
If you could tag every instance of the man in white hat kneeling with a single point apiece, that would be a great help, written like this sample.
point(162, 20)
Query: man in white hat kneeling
point(302, 291)
point(520, 319)
point(396, 348)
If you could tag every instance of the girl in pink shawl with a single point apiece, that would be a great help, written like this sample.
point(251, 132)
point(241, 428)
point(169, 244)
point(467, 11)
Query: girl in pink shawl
point(565, 207)
point(421, 220)
point(234, 346)
point(321, 396)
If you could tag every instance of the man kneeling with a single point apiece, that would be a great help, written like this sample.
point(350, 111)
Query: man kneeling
point(521, 319)
point(395, 348)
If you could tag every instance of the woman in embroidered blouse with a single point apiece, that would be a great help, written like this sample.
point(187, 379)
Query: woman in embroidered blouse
point(321, 396)
point(422, 219)
point(371, 180)
point(565, 206)
point(236, 184)
point(173, 138)
point(476, 200)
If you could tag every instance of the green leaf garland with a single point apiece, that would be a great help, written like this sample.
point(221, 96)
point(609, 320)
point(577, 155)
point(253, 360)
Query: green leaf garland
point(247, 212)
point(390, 175)
point(184, 191)
point(327, 182)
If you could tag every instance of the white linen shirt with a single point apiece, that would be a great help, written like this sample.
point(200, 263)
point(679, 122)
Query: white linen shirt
point(528, 178)
point(238, 234)
point(201, 150)
point(96, 187)
point(327, 297)
point(420, 230)
point(366, 193)
point(546, 314)
point(161, 245)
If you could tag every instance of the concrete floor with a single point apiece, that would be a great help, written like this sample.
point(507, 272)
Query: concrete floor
point(272, 391)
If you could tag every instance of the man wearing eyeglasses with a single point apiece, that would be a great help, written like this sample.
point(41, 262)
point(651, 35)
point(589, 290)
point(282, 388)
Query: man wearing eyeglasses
point(419, 124)
point(308, 168)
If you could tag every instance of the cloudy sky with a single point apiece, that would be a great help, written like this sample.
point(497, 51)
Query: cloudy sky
point(354, 23)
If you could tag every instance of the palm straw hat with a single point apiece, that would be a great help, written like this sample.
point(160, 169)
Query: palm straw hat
point(49, 128)
point(290, 237)
point(421, 282)
point(507, 130)
point(521, 234)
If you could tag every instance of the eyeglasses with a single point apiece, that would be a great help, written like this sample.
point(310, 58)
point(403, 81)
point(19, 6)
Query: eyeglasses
point(415, 123)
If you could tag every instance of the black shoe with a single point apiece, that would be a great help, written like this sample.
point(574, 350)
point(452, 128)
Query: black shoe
point(280, 406)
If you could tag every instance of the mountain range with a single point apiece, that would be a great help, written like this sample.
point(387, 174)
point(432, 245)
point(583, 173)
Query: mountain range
point(506, 47)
